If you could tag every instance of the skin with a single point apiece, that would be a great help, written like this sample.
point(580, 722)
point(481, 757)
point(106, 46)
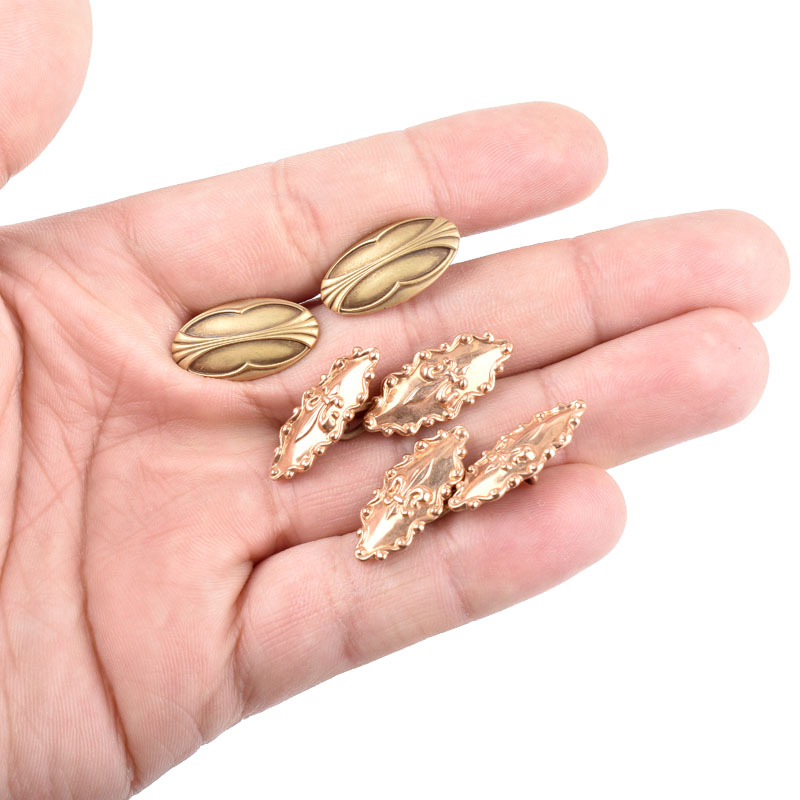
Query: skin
point(155, 586)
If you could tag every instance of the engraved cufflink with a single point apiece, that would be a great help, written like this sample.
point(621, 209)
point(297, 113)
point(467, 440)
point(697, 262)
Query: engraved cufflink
point(518, 456)
point(324, 412)
point(415, 490)
point(437, 383)
point(414, 493)
point(432, 388)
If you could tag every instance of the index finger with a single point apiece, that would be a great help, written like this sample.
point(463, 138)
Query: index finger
point(273, 230)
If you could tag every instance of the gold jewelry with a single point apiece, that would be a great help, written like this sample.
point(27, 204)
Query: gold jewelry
point(324, 411)
point(432, 388)
point(518, 456)
point(437, 383)
point(246, 339)
point(249, 339)
point(390, 266)
point(414, 493)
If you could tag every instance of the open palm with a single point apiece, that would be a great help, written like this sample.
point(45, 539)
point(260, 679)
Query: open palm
point(155, 585)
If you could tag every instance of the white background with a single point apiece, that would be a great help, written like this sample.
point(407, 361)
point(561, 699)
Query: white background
point(671, 668)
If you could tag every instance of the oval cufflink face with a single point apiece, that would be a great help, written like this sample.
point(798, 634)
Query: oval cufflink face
point(390, 265)
point(245, 339)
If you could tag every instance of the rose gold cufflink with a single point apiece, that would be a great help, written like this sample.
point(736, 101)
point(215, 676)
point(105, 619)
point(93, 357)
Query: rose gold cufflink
point(433, 387)
point(324, 412)
point(517, 456)
point(431, 480)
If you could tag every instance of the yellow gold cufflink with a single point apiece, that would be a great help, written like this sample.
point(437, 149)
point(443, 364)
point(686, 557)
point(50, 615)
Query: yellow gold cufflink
point(245, 340)
point(390, 266)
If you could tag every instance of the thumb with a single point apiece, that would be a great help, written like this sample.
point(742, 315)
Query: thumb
point(44, 52)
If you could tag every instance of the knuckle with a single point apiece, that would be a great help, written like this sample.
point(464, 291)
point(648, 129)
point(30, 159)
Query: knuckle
point(297, 214)
point(430, 169)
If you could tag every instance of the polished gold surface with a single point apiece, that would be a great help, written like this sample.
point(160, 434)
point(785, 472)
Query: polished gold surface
point(245, 339)
point(517, 456)
point(390, 265)
point(414, 493)
point(437, 383)
point(324, 412)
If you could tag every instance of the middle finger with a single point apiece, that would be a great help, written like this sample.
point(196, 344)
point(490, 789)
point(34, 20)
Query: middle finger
point(557, 299)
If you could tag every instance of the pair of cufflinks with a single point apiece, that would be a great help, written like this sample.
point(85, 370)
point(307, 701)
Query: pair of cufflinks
point(247, 339)
point(431, 479)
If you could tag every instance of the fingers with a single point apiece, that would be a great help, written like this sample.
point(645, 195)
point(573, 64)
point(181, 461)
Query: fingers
point(44, 51)
point(314, 610)
point(552, 300)
point(556, 299)
point(645, 391)
point(275, 229)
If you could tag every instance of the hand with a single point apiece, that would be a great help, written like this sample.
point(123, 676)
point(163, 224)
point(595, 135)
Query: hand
point(155, 585)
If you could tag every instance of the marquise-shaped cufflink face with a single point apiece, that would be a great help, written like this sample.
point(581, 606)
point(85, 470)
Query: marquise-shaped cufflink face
point(414, 493)
point(437, 383)
point(518, 456)
point(324, 412)
point(245, 339)
point(390, 265)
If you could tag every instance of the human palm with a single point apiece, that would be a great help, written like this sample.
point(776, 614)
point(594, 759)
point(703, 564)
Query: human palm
point(155, 585)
